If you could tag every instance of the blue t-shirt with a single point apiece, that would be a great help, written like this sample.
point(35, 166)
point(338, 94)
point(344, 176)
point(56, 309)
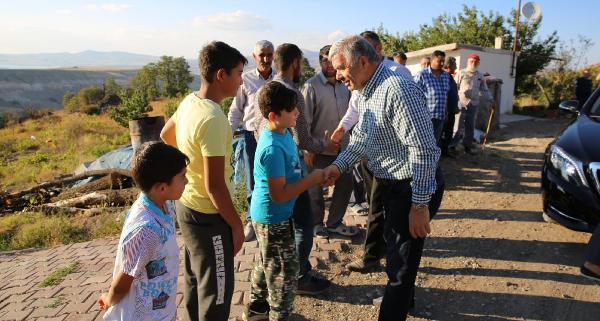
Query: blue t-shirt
point(276, 155)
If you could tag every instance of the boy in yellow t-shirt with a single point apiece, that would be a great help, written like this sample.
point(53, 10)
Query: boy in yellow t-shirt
point(211, 229)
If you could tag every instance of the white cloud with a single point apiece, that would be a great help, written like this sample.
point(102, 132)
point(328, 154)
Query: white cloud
point(108, 7)
point(237, 20)
point(336, 35)
point(115, 7)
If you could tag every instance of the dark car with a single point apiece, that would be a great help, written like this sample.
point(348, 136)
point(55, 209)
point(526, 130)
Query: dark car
point(571, 172)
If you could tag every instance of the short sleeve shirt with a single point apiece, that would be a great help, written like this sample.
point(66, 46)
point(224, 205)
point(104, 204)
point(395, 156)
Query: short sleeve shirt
point(148, 252)
point(276, 156)
point(202, 129)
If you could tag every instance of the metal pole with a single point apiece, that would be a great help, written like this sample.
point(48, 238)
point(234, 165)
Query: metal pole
point(514, 51)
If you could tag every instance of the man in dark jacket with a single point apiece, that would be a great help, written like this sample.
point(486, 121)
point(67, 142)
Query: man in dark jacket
point(451, 107)
point(583, 87)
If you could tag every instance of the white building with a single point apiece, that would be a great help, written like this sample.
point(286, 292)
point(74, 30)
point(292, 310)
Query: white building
point(496, 62)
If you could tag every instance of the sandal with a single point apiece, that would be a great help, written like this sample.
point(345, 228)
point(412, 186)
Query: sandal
point(344, 230)
point(320, 231)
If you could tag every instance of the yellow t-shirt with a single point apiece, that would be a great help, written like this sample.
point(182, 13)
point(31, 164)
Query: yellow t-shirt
point(202, 130)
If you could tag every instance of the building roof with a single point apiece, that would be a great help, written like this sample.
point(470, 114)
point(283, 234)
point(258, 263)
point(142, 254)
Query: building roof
point(456, 46)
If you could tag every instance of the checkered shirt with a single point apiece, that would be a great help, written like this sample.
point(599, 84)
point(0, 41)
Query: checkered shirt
point(436, 91)
point(395, 133)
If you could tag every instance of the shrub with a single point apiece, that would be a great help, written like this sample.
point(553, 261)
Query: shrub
point(90, 95)
point(132, 107)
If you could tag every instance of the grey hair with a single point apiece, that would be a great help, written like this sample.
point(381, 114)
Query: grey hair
point(352, 47)
point(261, 44)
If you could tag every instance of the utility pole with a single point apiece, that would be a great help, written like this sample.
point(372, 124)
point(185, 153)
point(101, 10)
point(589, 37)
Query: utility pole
point(514, 50)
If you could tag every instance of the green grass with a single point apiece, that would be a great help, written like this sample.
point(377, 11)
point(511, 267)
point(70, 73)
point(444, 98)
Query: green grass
point(58, 276)
point(58, 301)
point(40, 149)
point(37, 230)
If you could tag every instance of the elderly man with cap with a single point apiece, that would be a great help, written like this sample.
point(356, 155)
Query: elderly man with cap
point(471, 84)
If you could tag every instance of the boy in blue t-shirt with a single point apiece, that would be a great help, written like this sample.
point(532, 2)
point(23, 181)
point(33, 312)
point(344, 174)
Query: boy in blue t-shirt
point(277, 185)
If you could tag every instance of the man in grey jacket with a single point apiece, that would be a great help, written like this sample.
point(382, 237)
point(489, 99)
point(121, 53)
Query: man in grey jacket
point(325, 103)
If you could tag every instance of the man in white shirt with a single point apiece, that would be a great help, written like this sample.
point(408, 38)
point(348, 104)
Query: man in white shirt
point(241, 114)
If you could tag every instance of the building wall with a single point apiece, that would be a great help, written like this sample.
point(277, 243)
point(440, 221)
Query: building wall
point(496, 64)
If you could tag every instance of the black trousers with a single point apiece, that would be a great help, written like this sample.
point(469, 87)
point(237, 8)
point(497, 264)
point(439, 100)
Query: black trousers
point(208, 271)
point(592, 253)
point(374, 243)
point(403, 254)
point(448, 131)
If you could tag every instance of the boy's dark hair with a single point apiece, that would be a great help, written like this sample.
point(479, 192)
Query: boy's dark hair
point(370, 35)
point(285, 55)
point(438, 53)
point(324, 52)
point(218, 55)
point(400, 54)
point(156, 162)
point(275, 97)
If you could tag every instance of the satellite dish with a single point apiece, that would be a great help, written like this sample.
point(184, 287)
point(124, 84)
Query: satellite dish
point(531, 11)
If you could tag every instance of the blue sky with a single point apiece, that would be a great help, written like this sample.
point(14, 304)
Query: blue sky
point(181, 27)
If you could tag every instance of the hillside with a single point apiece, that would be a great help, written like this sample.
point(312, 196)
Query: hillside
point(30, 88)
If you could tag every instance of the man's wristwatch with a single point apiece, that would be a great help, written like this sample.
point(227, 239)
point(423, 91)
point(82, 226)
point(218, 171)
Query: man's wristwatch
point(420, 207)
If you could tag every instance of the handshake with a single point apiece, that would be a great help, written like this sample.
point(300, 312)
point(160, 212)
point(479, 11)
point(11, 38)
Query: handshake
point(324, 177)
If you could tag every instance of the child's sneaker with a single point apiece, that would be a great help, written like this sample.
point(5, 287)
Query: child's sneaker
point(256, 311)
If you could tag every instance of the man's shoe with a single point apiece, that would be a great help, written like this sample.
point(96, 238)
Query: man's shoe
point(585, 272)
point(312, 285)
point(249, 234)
point(320, 231)
point(470, 151)
point(256, 312)
point(362, 266)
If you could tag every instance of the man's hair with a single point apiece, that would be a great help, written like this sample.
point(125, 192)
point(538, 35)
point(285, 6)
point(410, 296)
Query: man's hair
point(371, 35)
point(438, 53)
point(285, 55)
point(275, 97)
point(324, 52)
point(400, 54)
point(261, 44)
point(449, 62)
point(156, 162)
point(352, 47)
point(218, 55)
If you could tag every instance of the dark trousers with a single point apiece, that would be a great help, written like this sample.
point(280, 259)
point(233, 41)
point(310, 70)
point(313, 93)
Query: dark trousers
point(438, 127)
point(339, 201)
point(208, 270)
point(592, 253)
point(303, 219)
point(448, 131)
point(249, 151)
point(374, 244)
point(403, 254)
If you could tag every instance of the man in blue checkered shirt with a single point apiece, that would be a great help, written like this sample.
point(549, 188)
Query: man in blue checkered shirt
point(435, 82)
point(395, 134)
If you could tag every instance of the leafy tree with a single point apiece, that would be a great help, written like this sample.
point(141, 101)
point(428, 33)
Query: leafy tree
point(132, 107)
point(90, 95)
point(145, 81)
point(474, 27)
point(70, 102)
point(111, 87)
point(175, 75)
point(307, 72)
point(225, 104)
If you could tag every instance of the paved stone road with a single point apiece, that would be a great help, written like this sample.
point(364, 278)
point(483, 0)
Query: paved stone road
point(75, 297)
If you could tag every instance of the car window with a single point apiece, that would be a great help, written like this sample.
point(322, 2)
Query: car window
point(595, 109)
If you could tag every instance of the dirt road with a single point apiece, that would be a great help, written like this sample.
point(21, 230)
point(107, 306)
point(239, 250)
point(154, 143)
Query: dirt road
point(490, 256)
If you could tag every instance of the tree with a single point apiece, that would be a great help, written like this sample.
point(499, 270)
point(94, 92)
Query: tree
point(132, 107)
point(307, 72)
point(175, 75)
point(534, 54)
point(145, 81)
point(111, 87)
point(90, 95)
point(70, 102)
point(474, 27)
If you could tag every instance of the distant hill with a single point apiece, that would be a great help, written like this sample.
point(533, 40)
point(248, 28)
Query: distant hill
point(41, 80)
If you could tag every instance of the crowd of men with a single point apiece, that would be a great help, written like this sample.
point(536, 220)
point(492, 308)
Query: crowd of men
point(377, 131)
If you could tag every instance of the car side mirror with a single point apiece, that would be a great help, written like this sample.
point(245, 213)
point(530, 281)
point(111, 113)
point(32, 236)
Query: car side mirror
point(570, 106)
